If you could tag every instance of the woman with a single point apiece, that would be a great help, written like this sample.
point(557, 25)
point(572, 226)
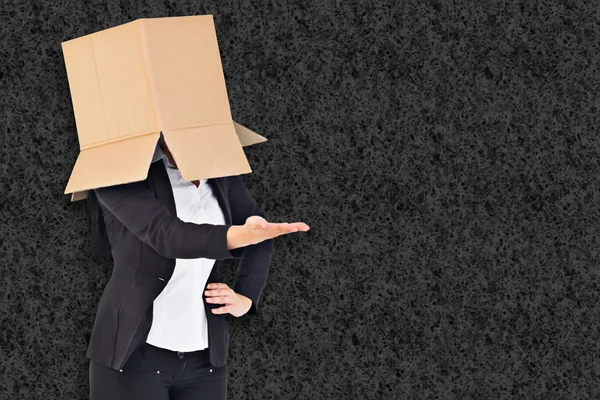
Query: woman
point(160, 331)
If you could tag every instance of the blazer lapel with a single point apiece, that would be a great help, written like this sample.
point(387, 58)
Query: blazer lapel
point(217, 185)
point(161, 184)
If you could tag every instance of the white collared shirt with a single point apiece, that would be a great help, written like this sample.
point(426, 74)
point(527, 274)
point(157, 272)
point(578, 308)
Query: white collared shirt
point(179, 322)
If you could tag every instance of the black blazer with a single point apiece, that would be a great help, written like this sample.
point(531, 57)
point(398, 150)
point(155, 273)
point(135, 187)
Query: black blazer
point(146, 237)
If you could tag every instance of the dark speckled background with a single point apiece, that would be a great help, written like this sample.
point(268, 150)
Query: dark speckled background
point(444, 154)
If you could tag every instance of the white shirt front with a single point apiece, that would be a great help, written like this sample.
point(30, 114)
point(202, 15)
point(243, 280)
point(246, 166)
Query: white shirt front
point(179, 322)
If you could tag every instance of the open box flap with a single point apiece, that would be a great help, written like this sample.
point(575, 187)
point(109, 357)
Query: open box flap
point(246, 136)
point(205, 152)
point(115, 163)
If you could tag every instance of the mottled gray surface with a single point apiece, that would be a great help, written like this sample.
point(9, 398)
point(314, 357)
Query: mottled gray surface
point(445, 157)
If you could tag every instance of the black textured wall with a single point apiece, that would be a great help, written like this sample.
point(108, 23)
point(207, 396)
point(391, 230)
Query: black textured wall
point(445, 155)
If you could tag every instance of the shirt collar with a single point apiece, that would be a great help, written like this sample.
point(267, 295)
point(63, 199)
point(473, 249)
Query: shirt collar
point(159, 154)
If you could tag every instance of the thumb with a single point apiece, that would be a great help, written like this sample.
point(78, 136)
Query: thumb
point(256, 221)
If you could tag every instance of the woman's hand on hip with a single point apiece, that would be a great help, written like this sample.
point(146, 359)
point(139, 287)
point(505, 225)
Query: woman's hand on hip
point(235, 304)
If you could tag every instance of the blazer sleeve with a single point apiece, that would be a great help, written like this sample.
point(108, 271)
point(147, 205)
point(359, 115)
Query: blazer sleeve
point(255, 260)
point(149, 219)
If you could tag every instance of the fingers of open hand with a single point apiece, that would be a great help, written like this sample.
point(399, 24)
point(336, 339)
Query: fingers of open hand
point(270, 230)
point(218, 293)
point(276, 229)
point(223, 310)
point(218, 300)
point(221, 293)
point(286, 227)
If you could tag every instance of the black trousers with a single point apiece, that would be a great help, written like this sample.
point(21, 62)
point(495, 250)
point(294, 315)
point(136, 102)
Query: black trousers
point(153, 373)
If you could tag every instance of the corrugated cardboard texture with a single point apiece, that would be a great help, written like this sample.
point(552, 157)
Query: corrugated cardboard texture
point(185, 72)
point(109, 85)
point(130, 82)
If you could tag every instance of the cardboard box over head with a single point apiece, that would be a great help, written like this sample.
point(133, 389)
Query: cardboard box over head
point(131, 82)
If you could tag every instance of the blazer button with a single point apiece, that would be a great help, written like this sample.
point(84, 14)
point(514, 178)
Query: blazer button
point(180, 355)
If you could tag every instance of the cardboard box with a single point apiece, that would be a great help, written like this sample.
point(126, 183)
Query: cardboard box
point(131, 82)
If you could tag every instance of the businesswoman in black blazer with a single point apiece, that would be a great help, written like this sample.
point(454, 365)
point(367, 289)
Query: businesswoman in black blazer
point(139, 225)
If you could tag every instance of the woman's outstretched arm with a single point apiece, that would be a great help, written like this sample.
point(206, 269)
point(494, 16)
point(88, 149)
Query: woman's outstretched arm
point(148, 218)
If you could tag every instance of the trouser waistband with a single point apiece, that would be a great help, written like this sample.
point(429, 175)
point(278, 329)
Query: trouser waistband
point(158, 352)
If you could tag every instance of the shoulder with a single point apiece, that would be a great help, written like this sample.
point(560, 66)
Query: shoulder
point(227, 181)
point(222, 183)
